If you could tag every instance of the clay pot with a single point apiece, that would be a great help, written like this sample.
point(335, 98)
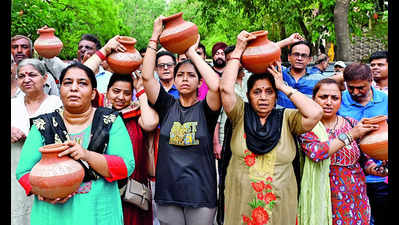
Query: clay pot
point(375, 144)
point(260, 53)
point(125, 62)
point(178, 35)
point(47, 44)
point(55, 177)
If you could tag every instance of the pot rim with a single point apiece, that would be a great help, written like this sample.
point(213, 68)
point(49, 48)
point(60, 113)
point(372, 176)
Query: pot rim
point(169, 18)
point(127, 40)
point(260, 33)
point(59, 147)
point(45, 29)
point(375, 119)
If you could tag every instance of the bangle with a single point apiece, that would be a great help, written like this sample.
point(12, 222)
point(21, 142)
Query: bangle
point(155, 41)
point(235, 58)
point(152, 48)
point(100, 55)
point(138, 94)
point(350, 137)
point(292, 92)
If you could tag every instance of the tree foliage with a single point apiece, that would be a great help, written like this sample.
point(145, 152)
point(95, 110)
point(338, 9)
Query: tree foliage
point(139, 16)
point(220, 20)
point(70, 19)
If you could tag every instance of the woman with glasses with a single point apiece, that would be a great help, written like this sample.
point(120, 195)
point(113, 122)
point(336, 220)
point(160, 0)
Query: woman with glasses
point(30, 78)
point(185, 190)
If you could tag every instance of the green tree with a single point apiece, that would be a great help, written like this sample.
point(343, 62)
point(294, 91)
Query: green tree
point(139, 16)
point(70, 19)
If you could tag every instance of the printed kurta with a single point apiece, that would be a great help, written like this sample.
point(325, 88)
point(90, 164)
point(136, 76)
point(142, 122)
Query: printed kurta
point(97, 201)
point(350, 204)
point(262, 189)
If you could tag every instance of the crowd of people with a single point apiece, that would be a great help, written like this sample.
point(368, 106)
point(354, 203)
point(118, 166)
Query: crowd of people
point(215, 143)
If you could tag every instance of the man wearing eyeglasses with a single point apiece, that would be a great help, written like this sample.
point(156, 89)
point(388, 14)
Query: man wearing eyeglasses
point(165, 63)
point(297, 75)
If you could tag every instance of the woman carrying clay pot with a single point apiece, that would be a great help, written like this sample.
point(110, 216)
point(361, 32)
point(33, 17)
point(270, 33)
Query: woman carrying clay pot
point(29, 76)
point(185, 191)
point(97, 138)
point(260, 184)
point(350, 204)
point(139, 118)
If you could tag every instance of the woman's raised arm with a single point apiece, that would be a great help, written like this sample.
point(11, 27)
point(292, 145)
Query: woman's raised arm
point(151, 85)
point(210, 76)
point(230, 73)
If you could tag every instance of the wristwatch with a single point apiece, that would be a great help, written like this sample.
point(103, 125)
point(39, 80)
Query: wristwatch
point(344, 138)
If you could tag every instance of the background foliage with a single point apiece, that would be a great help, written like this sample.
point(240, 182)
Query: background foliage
point(220, 20)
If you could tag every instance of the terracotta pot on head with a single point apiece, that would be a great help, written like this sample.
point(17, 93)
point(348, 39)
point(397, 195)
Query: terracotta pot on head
point(55, 177)
point(128, 61)
point(47, 44)
point(260, 53)
point(178, 35)
point(375, 143)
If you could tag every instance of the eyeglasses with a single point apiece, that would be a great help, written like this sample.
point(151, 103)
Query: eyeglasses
point(296, 55)
point(167, 65)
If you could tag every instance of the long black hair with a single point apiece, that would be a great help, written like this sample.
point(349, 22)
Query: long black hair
point(89, 73)
point(120, 77)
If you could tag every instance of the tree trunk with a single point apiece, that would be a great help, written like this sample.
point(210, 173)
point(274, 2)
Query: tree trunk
point(342, 30)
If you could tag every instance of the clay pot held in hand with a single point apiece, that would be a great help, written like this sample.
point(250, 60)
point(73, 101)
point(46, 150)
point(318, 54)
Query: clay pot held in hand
point(178, 35)
point(375, 144)
point(260, 53)
point(47, 44)
point(128, 61)
point(55, 177)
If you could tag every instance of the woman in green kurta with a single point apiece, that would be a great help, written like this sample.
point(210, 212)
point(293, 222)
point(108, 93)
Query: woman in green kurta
point(97, 201)
point(260, 181)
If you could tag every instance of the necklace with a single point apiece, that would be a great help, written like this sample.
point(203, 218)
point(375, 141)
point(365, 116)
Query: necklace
point(332, 131)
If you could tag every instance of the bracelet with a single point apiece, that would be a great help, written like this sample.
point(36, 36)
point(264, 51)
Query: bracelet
point(155, 41)
point(152, 48)
point(235, 58)
point(138, 94)
point(350, 137)
point(100, 55)
point(292, 92)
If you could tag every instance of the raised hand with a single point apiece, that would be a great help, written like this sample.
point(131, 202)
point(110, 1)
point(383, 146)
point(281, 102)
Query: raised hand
point(242, 40)
point(138, 82)
point(113, 44)
point(158, 28)
point(194, 46)
point(277, 74)
point(295, 37)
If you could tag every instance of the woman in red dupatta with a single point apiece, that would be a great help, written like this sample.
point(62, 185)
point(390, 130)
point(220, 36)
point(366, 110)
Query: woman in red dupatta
point(139, 118)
